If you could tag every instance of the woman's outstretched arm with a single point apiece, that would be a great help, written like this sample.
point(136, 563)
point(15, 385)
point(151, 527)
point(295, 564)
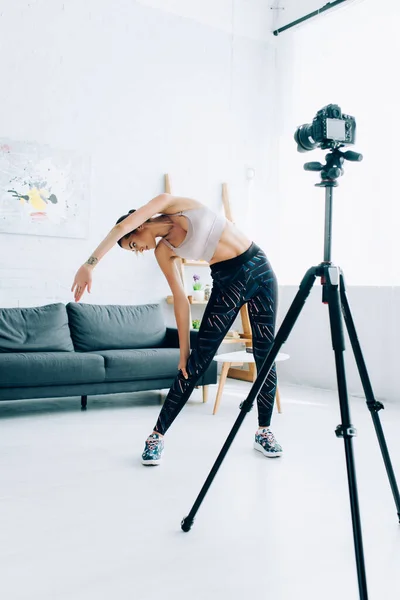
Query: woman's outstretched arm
point(155, 206)
point(83, 277)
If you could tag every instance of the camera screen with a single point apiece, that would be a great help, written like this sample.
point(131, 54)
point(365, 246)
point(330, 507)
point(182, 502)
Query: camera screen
point(336, 129)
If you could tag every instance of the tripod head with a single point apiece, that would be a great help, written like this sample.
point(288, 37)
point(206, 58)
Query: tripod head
point(333, 167)
point(330, 171)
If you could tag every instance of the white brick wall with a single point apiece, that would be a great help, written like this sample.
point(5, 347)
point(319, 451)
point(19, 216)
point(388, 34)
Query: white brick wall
point(143, 89)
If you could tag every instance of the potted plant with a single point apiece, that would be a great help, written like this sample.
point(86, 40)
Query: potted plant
point(198, 293)
point(196, 323)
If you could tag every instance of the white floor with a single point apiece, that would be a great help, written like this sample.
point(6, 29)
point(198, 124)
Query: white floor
point(81, 519)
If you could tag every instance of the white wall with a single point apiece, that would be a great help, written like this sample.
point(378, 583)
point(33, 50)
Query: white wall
point(143, 88)
point(376, 318)
point(247, 18)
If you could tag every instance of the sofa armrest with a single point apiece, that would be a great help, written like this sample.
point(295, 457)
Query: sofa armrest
point(172, 341)
point(210, 375)
point(172, 338)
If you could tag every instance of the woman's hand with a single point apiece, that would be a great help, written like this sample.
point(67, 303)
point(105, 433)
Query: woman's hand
point(182, 367)
point(83, 279)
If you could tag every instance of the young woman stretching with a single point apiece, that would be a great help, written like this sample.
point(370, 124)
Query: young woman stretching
point(241, 274)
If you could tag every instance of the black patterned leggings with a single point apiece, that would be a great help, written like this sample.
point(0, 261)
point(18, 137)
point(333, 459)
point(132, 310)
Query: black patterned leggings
point(247, 278)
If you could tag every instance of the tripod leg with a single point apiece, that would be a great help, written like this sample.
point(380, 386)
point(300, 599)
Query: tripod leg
point(281, 337)
point(346, 429)
point(373, 406)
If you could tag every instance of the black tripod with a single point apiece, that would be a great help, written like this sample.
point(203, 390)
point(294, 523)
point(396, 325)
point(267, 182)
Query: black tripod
point(334, 295)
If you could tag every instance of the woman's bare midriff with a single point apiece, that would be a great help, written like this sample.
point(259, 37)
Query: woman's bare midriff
point(232, 243)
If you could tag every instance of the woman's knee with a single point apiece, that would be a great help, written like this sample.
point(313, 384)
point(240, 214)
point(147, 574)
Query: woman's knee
point(198, 363)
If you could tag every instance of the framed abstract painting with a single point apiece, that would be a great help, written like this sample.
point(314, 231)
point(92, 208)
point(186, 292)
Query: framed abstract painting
point(43, 190)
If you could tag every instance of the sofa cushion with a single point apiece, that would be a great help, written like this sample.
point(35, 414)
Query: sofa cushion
point(148, 363)
point(50, 368)
point(110, 327)
point(37, 329)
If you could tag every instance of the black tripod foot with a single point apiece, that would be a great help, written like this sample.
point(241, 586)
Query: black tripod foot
point(186, 524)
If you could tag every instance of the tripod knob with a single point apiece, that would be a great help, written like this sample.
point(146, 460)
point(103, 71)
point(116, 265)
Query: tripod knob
point(353, 156)
point(334, 173)
point(313, 166)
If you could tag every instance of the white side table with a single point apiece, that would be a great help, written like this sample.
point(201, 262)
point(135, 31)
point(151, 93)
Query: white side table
point(238, 358)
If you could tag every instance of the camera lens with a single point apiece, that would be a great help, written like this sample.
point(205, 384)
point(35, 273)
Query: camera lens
point(304, 139)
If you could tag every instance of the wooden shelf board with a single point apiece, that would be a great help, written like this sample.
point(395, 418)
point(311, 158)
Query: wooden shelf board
point(195, 263)
point(241, 374)
point(170, 300)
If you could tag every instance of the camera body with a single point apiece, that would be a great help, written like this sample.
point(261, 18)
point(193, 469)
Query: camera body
point(330, 129)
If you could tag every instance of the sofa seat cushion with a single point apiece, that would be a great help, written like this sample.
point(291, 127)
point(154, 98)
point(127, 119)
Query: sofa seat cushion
point(36, 329)
point(112, 327)
point(148, 363)
point(50, 368)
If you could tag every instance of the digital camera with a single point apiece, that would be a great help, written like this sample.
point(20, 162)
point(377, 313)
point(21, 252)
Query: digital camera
point(329, 129)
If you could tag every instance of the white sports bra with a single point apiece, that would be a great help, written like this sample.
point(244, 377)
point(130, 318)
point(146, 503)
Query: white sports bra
point(205, 228)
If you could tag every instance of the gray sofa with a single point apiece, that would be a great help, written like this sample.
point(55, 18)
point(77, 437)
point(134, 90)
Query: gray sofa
point(85, 349)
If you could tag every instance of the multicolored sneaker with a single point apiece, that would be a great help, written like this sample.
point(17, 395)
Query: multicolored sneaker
point(153, 450)
point(266, 443)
